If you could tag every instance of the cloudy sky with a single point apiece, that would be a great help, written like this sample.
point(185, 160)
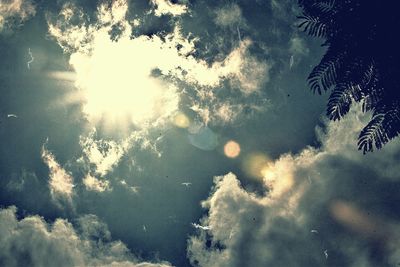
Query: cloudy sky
point(180, 133)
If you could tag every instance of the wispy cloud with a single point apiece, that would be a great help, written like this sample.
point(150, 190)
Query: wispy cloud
point(94, 184)
point(100, 156)
point(12, 11)
point(60, 181)
point(165, 7)
point(229, 16)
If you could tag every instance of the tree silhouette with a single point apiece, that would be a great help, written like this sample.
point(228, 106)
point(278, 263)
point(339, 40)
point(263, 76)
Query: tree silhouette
point(360, 64)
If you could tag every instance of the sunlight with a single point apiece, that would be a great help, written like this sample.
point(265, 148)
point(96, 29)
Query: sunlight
point(118, 85)
point(278, 177)
point(254, 165)
point(126, 79)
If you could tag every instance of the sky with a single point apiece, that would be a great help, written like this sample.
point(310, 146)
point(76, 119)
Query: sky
point(180, 133)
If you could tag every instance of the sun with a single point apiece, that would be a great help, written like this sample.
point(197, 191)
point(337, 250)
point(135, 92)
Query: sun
point(117, 83)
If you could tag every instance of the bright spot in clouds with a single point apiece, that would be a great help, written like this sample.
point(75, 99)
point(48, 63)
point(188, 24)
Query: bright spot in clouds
point(117, 77)
point(278, 176)
point(232, 149)
point(117, 83)
point(181, 120)
point(255, 165)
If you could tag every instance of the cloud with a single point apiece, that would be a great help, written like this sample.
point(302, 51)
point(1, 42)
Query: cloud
point(165, 7)
point(297, 49)
point(135, 84)
point(60, 182)
point(142, 70)
point(232, 110)
point(298, 46)
point(228, 16)
point(102, 154)
point(250, 73)
point(333, 189)
point(94, 184)
point(15, 12)
point(32, 241)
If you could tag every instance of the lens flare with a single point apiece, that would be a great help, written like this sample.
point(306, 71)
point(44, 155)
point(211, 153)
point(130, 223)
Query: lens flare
point(232, 149)
point(181, 120)
point(203, 138)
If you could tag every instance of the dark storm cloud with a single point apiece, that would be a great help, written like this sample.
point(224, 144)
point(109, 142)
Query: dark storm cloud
point(329, 206)
point(32, 241)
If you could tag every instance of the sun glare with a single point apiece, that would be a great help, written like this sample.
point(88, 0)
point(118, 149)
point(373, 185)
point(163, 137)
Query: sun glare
point(118, 85)
point(255, 165)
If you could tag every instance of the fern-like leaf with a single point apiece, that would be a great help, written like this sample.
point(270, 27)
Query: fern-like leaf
point(392, 122)
point(373, 134)
point(325, 7)
point(312, 25)
point(369, 75)
point(340, 100)
point(323, 76)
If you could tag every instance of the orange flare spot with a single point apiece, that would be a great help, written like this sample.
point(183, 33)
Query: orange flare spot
point(232, 149)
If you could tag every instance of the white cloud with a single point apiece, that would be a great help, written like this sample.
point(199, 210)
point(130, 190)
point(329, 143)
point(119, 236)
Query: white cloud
point(94, 184)
point(32, 241)
point(60, 181)
point(103, 154)
point(245, 73)
point(71, 36)
point(165, 7)
point(100, 156)
point(321, 189)
point(17, 9)
point(250, 73)
point(127, 65)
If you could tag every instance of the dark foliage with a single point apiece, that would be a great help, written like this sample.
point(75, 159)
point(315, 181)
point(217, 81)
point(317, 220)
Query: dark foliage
point(361, 63)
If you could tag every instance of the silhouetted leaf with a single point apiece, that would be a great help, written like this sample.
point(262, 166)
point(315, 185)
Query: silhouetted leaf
point(340, 100)
point(361, 62)
point(326, 6)
point(312, 25)
point(323, 76)
point(372, 134)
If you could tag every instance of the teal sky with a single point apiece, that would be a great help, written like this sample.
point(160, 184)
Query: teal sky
point(116, 119)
